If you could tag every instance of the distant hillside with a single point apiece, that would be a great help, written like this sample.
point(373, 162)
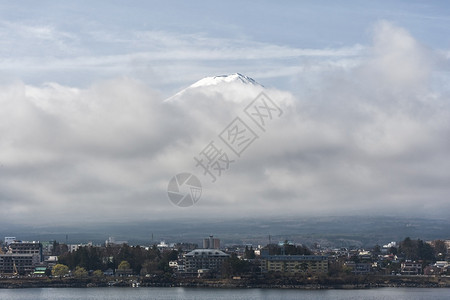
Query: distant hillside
point(327, 231)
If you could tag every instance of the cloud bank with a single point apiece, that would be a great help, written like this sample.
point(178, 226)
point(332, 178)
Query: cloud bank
point(367, 137)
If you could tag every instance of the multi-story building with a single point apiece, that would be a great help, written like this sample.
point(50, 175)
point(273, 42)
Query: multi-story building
point(16, 263)
point(201, 259)
point(293, 264)
point(9, 240)
point(211, 243)
point(411, 268)
point(112, 241)
point(33, 248)
point(21, 257)
point(359, 268)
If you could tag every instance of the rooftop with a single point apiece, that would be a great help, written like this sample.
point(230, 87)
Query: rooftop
point(206, 252)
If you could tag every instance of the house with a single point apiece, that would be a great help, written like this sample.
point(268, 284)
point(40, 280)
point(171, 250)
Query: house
point(173, 264)
point(439, 268)
point(109, 272)
point(123, 272)
point(411, 268)
point(359, 268)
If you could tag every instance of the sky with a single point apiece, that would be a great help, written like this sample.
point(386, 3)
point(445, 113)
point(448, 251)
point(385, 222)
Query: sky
point(85, 133)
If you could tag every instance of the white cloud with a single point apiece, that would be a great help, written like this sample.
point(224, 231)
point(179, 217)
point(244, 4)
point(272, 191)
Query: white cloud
point(40, 53)
point(370, 135)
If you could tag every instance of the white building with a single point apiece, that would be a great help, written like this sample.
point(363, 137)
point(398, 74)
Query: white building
point(9, 240)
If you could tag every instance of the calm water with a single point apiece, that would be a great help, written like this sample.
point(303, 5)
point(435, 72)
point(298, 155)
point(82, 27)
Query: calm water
point(218, 294)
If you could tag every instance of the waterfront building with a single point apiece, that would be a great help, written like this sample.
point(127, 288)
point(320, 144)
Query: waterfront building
point(9, 240)
point(293, 264)
point(201, 259)
point(411, 268)
point(16, 263)
point(33, 248)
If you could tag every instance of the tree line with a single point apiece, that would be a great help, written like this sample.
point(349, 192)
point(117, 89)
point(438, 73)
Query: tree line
point(139, 259)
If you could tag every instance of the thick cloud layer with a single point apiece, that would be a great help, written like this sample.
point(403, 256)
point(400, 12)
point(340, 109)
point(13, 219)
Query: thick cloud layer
point(368, 136)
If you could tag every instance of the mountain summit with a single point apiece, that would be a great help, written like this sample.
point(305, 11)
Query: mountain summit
point(236, 77)
point(222, 84)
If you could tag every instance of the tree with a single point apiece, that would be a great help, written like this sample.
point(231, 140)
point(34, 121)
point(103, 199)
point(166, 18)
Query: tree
point(440, 249)
point(409, 248)
point(416, 250)
point(98, 274)
point(304, 266)
point(377, 250)
point(60, 270)
point(425, 251)
point(149, 267)
point(233, 266)
point(172, 255)
point(249, 253)
point(346, 270)
point(87, 257)
point(393, 268)
point(393, 250)
point(59, 249)
point(80, 272)
point(124, 265)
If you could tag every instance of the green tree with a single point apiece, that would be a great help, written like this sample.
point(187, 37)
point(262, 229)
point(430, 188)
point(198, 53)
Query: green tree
point(172, 255)
point(376, 250)
point(98, 274)
point(87, 257)
point(80, 272)
point(163, 261)
point(59, 249)
point(440, 249)
point(124, 265)
point(60, 270)
point(393, 250)
point(233, 266)
point(149, 267)
point(393, 268)
point(304, 267)
point(249, 253)
point(425, 251)
point(416, 250)
point(346, 269)
point(409, 248)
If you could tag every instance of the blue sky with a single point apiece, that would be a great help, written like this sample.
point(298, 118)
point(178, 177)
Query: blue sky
point(364, 86)
point(169, 44)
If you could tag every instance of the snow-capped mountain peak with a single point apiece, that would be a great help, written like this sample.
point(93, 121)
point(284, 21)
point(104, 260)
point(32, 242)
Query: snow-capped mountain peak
point(230, 85)
point(214, 80)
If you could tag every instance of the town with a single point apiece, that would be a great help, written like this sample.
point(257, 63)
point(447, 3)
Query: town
point(284, 262)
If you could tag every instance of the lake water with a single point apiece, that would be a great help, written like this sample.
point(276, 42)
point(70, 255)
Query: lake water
point(219, 294)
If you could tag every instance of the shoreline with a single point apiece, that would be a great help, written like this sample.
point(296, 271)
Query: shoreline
point(368, 283)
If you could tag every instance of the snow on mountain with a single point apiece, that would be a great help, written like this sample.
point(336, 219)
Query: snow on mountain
point(212, 102)
point(234, 87)
point(236, 77)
